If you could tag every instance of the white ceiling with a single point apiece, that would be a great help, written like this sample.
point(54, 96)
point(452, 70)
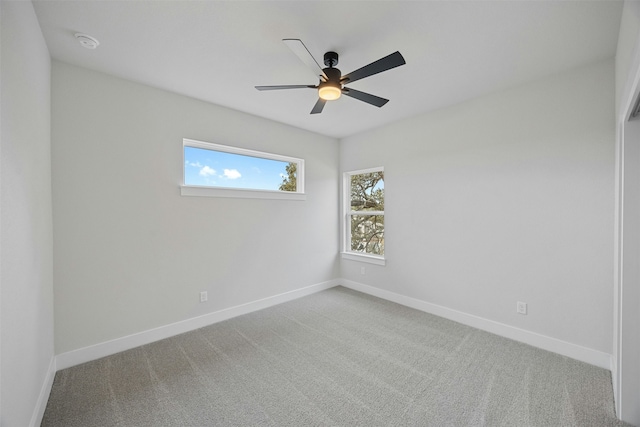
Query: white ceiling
point(217, 51)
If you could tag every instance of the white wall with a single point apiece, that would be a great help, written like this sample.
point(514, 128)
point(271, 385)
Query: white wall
point(505, 198)
point(25, 220)
point(131, 254)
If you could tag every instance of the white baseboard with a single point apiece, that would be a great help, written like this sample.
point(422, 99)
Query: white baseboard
point(564, 348)
point(43, 397)
point(97, 351)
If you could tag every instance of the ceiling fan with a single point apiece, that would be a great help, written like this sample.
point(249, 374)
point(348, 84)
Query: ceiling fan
point(332, 82)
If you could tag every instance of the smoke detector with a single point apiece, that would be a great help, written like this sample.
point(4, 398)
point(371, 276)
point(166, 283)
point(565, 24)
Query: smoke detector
point(87, 41)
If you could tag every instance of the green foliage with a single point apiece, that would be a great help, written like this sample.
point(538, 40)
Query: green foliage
point(289, 182)
point(367, 195)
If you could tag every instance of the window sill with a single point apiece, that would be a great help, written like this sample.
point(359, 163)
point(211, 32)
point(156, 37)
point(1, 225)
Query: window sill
point(371, 259)
point(186, 190)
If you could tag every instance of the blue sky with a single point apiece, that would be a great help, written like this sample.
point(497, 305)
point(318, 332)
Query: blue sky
point(218, 169)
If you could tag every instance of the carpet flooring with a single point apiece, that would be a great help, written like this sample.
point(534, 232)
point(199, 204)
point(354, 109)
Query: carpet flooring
point(335, 358)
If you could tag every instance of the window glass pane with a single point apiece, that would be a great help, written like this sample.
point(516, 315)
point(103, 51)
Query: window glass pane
point(367, 191)
point(367, 234)
point(211, 168)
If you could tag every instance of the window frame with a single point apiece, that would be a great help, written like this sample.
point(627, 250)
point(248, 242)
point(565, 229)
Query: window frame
point(347, 212)
point(212, 191)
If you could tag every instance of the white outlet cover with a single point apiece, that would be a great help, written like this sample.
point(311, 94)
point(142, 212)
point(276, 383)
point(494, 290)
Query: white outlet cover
point(521, 307)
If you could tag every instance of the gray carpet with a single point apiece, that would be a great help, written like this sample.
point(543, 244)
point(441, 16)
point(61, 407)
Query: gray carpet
point(335, 358)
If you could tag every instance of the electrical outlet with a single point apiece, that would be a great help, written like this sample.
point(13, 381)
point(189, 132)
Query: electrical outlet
point(521, 307)
point(361, 270)
point(203, 296)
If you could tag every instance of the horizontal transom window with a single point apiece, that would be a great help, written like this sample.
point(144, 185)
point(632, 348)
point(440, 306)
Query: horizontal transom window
point(224, 171)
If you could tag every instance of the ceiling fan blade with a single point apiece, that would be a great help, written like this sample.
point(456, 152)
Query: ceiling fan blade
point(383, 64)
point(317, 109)
point(366, 97)
point(305, 56)
point(285, 87)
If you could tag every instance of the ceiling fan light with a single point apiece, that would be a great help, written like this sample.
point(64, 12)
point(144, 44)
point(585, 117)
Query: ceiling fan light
point(329, 93)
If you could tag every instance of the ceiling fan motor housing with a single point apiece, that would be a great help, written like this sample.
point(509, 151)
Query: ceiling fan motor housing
point(333, 75)
point(331, 89)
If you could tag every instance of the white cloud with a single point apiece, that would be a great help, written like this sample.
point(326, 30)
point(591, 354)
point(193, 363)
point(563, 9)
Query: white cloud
point(195, 164)
point(207, 171)
point(231, 174)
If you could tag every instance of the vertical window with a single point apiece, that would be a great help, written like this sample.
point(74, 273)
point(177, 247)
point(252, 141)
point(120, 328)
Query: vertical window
point(364, 213)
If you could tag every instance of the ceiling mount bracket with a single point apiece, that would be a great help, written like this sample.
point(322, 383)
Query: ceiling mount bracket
point(330, 59)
